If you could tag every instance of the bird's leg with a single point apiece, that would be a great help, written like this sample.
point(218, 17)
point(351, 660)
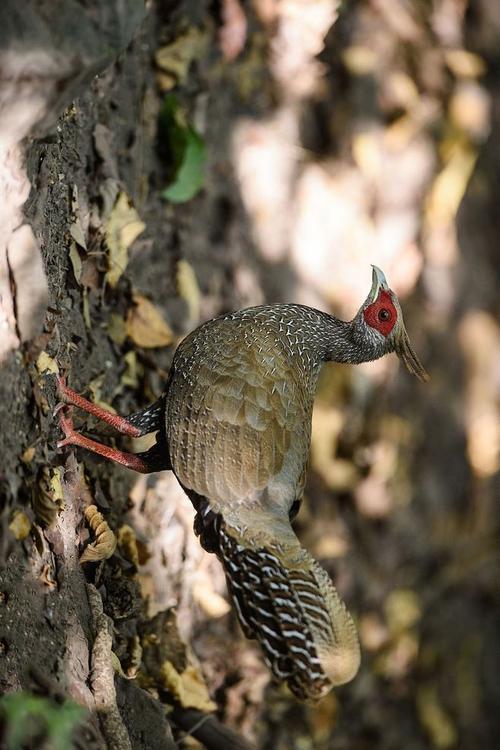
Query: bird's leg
point(133, 461)
point(150, 419)
point(139, 423)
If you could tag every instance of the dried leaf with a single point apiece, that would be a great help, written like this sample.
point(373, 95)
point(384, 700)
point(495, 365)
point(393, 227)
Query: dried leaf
point(90, 277)
point(116, 329)
point(146, 326)
point(127, 542)
point(78, 227)
point(188, 687)
point(175, 59)
point(20, 525)
point(109, 191)
point(48, 497)
point(76, 262)
point(123, 227)
point(188, 290)
point(76, 231)
point(44, 363)
point(56, 487)
point(46, 577)
point(132, 371)
point(105, 542)
point(28, 455)
point(95, 388)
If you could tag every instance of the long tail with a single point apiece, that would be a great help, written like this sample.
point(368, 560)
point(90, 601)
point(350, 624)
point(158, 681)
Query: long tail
point(269, 609)
point(307, 635)
point(286, 601)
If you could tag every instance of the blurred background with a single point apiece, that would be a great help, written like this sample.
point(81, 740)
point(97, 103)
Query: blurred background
point(377, 142)
point(319, 137)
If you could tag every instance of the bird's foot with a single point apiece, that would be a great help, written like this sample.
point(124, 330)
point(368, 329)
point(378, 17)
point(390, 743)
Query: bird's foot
point(66, 425)
point(72, 437)
point(70, 397)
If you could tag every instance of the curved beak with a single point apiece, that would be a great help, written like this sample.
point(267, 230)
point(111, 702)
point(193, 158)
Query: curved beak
point(378, 282)
point(404, 350)
point(401, 341)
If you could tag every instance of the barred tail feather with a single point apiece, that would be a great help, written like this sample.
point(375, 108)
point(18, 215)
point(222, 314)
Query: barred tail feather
point(288, 603)
point(284, 610)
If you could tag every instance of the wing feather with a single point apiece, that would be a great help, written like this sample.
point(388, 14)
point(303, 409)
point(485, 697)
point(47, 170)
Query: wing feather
point(235, 410)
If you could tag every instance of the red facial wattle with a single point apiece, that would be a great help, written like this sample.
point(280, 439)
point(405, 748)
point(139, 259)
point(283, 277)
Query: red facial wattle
point(381, 314)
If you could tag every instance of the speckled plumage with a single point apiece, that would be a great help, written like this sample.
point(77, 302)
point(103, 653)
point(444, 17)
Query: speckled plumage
point(234, 425)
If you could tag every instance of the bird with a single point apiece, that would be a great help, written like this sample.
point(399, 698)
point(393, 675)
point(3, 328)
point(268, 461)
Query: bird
point(234, 425)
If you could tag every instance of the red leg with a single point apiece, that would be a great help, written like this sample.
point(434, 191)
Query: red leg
point(130, 460)
point(69, 396)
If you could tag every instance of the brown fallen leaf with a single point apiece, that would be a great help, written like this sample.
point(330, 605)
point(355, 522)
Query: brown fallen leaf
point(95, 388)
point(116, 329)
point(188, 290)
point(123, 227)
point(133, 370)
point(146, 326)
point(46, 577)
point(169, 663)
point(105, 540)
point(127, 542)
point(28, 455)
point(188, 687)
point(48, 495)
point(20, 525)
point(79, 226)
point(174, 60)
point(44, 363)
point(76, 262)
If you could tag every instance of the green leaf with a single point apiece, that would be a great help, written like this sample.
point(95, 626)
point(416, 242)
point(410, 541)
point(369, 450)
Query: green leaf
point(190, 175)
point(26, 715)
point(187, 151)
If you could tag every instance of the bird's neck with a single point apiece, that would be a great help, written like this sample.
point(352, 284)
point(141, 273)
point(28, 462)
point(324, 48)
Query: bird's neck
point(349, 342)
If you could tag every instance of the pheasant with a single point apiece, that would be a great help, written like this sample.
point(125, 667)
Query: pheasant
point(234, 425)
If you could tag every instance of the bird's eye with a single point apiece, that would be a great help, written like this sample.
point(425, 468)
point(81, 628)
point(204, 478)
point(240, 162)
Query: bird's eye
point(384, 315)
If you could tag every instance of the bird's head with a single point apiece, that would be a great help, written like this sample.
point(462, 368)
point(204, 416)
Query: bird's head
point(381, 318)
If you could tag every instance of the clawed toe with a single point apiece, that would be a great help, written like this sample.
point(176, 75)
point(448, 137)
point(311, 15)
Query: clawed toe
point(58, 407)
point(61, 383)
point(66, 425)
point(69, 440)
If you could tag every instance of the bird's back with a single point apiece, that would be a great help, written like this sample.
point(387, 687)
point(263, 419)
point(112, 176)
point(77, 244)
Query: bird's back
point(239, 408)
